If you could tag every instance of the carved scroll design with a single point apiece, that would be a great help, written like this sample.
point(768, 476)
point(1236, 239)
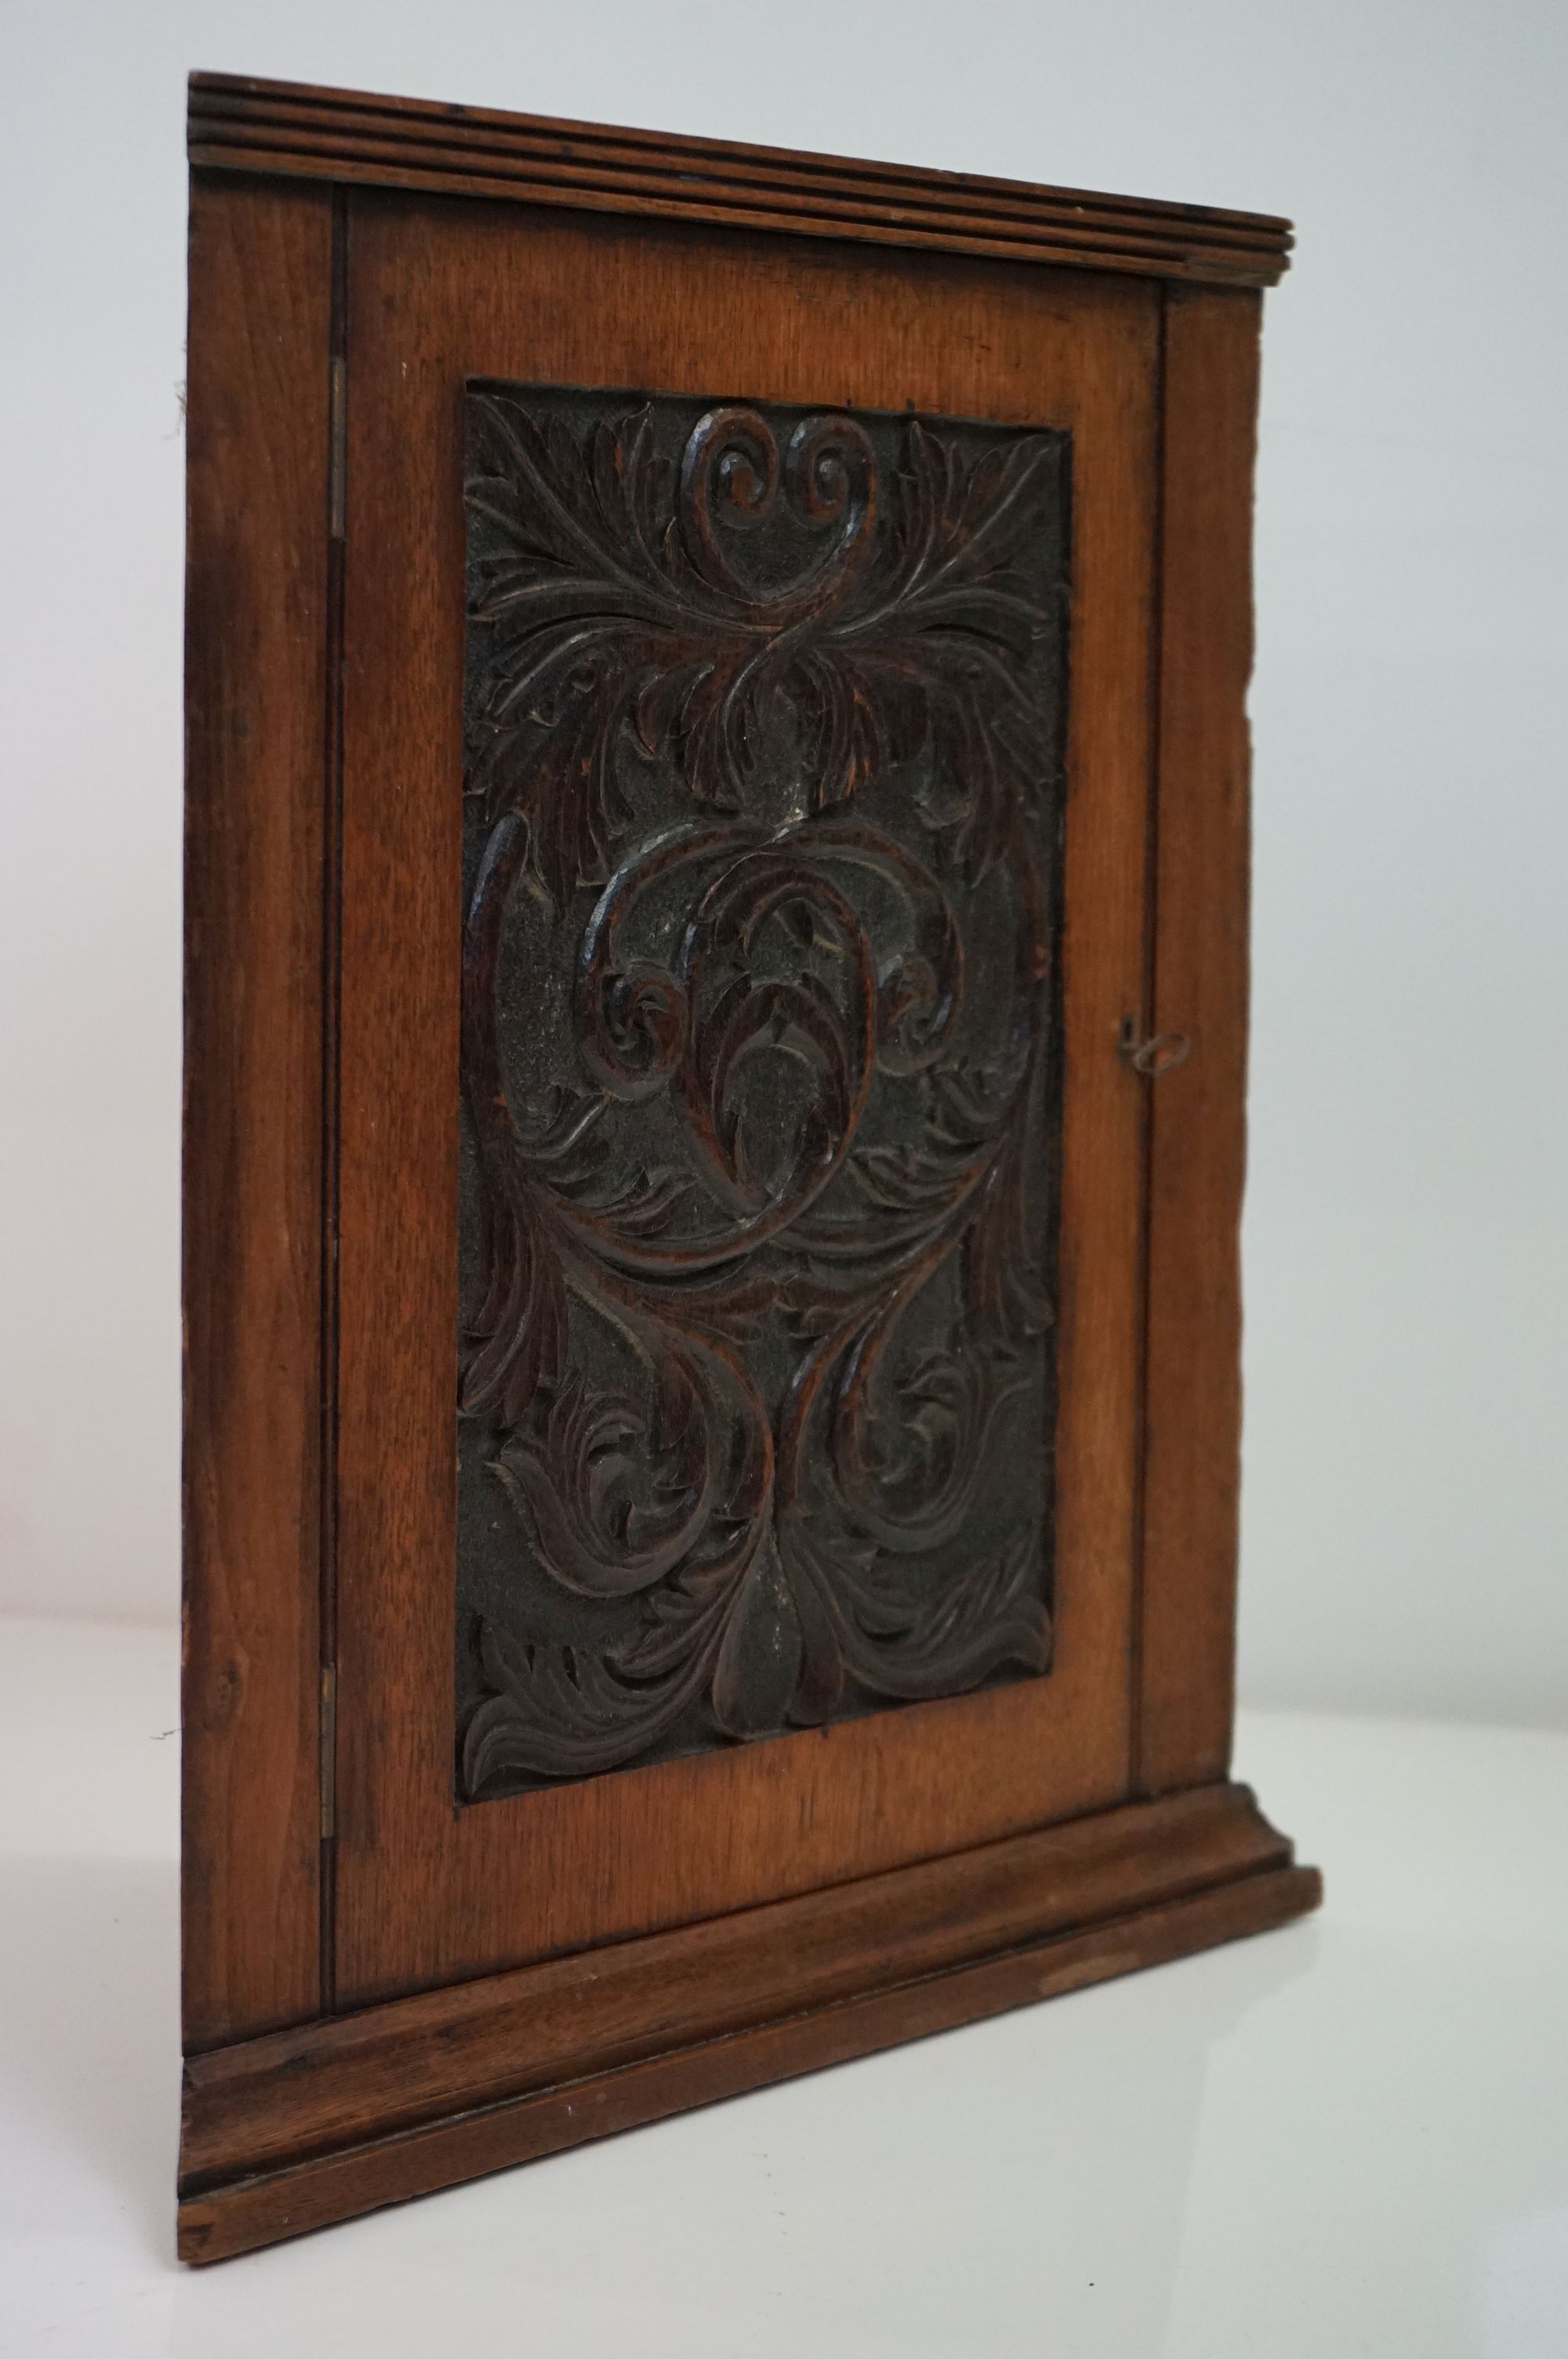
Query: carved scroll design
point(634, 609)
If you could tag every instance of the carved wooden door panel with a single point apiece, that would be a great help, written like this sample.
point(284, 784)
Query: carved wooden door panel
point(761, 1068)
point(745, 797)
point(716, 750)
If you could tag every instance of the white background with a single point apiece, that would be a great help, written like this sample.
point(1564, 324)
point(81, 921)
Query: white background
point(1345, 2140)
point(1407, 1369)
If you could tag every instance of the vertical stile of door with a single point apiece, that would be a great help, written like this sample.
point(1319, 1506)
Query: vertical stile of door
point(256, 628)
point(1138, 1024)
point(1197, 1142)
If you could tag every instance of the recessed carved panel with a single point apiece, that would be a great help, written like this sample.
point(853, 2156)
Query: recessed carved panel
point(760, 1078)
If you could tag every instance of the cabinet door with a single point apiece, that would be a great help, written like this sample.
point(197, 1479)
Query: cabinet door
point(717, 780)
point(746, 664)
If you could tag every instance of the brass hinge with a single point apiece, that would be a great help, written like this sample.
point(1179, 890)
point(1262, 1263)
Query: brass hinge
point(338, 448)
point(328, 1700)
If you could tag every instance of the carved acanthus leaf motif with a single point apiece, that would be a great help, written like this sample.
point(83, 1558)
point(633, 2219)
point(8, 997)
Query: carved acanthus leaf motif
point(608, 610)
point(807, 1221)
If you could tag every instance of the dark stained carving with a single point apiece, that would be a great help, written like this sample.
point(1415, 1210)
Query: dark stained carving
point(758, 1067)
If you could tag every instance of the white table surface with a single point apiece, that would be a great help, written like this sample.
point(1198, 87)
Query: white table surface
point(1347, 2137)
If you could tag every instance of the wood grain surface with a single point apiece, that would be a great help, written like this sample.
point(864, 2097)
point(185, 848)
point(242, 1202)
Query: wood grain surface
point(436, 296)
point(241, 124)
point(458, 1987)
point(299, 2091)
point(255, 670)
point(262, 2209)
point(285, 2131)
point(1197, 1148)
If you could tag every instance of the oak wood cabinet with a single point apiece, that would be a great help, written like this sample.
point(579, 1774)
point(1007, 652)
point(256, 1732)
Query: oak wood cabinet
point(717, 903)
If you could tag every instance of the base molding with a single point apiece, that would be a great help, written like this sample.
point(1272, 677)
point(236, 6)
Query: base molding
point(303, 2127)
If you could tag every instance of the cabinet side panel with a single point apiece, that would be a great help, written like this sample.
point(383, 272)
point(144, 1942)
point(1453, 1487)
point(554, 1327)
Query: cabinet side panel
point(255, 619)
point(1197, 1147)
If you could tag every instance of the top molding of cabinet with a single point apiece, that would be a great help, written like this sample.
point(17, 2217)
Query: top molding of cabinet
point(242, 125)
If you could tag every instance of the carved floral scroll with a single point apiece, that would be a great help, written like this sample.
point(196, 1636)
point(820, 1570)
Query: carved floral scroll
point(760, 1070)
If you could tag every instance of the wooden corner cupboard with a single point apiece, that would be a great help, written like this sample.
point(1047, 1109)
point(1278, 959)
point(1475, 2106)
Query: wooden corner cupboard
point(716, 995)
